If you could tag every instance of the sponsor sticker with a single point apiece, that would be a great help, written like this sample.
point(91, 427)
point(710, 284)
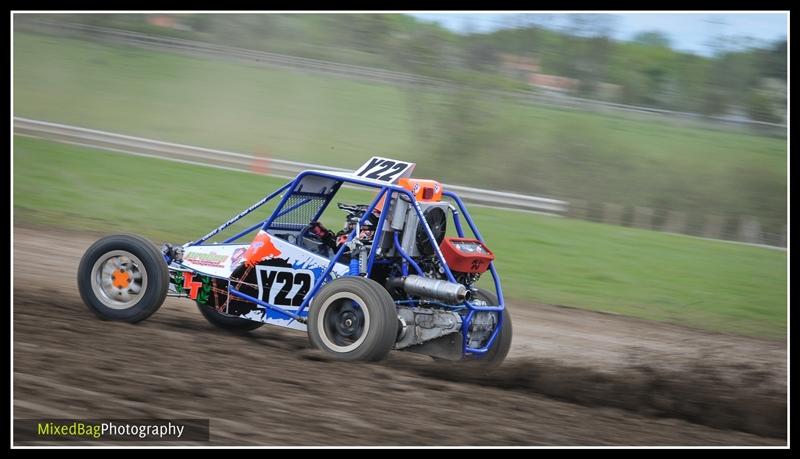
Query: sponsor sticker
point(237, 256)
point(211, 259)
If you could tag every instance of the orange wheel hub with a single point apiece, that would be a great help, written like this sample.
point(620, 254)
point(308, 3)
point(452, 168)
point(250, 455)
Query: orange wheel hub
point(120, 278)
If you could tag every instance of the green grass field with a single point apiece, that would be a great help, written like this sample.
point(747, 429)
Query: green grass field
point(700, 283)
point(334, 121)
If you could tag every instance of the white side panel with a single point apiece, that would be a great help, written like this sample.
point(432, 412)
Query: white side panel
point(303, 259)
point(303, 270)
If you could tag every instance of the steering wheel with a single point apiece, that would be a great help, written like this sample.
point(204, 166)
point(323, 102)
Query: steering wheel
point(306, 239)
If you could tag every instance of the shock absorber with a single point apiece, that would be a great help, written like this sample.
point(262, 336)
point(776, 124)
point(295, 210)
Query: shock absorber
point(359, 256)
point(363, 258)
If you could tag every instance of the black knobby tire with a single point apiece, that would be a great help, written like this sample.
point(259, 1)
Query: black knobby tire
point(502, 343)
point(227, 322)
point(130, 256)
point(372, 330)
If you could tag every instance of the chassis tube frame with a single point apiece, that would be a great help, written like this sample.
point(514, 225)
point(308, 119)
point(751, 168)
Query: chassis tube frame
point(386, 190)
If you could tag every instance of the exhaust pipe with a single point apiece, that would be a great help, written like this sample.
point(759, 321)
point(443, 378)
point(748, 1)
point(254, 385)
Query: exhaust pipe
point(445, 291)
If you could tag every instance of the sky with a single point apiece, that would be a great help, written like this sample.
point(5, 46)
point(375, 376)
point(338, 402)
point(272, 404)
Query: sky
point(691, 32)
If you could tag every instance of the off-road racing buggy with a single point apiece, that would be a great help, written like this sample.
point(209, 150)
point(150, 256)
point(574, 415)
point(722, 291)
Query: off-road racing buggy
point(391, 279)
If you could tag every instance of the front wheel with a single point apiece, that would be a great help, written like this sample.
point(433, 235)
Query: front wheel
point(123, 277)
point(496, 354)
point(353, 318)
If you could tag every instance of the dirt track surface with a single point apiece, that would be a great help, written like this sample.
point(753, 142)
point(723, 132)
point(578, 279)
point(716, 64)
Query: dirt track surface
point(572, 377)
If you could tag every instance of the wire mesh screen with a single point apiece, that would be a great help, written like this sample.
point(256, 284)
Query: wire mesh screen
point(298, 211)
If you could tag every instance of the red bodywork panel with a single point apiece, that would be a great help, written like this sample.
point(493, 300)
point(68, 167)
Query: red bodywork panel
point(466, 255)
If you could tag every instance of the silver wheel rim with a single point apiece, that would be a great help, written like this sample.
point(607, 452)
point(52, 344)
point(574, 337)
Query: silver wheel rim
point(321, 321)
point(119, 279)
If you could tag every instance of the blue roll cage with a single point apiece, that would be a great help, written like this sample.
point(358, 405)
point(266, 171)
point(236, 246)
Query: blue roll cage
point(388, 190)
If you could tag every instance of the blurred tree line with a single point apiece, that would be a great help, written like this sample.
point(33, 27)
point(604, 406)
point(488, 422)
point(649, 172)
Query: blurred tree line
point(597, 158)
point(748, 81)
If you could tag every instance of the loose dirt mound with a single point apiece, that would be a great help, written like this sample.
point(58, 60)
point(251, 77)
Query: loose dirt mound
point(741, 397)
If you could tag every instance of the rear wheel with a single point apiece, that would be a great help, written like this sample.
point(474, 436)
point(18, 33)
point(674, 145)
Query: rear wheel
point(353, 318)
point(227, 322)
point(495, 356)
point(123, 277)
